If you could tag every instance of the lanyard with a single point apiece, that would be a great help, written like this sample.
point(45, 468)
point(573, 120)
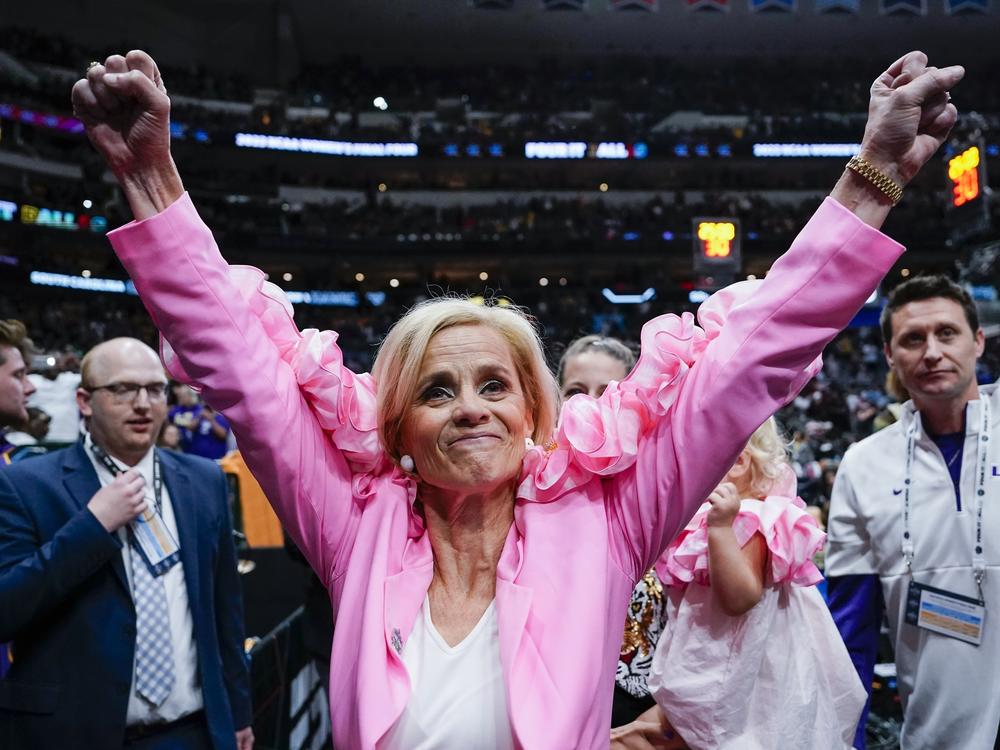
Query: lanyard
point(982, 459)
point(111, 466)
point(148, 534)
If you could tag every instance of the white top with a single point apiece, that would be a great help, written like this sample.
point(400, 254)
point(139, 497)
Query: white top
point(458, 698)
point(948, 687)
point(57, 398)
point(186, 697)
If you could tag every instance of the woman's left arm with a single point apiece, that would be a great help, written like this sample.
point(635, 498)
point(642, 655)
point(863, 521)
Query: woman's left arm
point(760, 358)
point(757, 363)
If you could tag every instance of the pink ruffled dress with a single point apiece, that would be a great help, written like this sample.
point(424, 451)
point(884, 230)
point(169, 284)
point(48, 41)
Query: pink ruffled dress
point(778, 676)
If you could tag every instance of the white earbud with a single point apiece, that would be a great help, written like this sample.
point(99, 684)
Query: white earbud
point(406, 462)
point(529, 443)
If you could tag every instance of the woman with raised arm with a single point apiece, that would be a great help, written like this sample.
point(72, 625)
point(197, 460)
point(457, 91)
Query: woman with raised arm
point(479, 557)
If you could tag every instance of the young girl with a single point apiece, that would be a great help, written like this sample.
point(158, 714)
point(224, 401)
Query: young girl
point(750, 658)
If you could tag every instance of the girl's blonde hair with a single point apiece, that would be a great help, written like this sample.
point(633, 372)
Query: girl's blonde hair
point(768, 453)
point(397, 365)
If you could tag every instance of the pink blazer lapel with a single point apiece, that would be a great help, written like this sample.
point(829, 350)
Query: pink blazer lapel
point(530, 690)
point(517, 657)
point(404, 594)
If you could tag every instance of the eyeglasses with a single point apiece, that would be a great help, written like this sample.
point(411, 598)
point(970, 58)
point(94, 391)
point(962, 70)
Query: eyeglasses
point(124, 393)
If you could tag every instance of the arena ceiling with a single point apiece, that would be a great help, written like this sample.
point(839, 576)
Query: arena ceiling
point(273, 37)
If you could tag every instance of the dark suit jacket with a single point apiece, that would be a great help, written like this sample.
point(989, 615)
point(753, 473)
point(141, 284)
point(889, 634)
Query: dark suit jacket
point(66, 605)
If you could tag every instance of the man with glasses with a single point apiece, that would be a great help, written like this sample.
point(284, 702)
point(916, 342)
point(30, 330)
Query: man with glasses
point(118, 582)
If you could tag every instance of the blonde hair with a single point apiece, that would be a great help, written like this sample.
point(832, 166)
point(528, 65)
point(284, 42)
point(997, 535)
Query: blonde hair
point(768, 453)
point(397, 365)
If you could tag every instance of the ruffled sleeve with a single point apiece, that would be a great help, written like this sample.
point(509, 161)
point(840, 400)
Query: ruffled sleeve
point(792, 536)
point(343, 402)
point(602, 436)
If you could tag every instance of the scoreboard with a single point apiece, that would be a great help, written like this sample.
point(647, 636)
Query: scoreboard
point(716, 245)
point(963, 173)
point(966, 195)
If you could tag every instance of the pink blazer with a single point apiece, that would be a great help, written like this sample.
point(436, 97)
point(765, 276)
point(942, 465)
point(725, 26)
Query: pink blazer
point(592, 513)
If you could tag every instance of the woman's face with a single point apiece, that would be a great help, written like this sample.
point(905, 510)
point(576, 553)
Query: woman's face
point(466, 427)
point(590, 372)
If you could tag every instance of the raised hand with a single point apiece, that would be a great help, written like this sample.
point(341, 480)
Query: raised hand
point(126, 111)
point(125, 108)
point(725, 502)
point(909, 116)
point(120, 501)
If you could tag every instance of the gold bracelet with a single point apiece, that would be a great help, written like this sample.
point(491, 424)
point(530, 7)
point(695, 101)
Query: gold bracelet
point(885, 184)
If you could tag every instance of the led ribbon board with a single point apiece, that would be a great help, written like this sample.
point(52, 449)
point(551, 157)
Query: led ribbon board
point(583, 150)
point(125, 286)
point(327, 148)
point(51, 218)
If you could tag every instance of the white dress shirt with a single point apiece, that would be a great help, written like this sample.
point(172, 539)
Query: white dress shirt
point(185, 698)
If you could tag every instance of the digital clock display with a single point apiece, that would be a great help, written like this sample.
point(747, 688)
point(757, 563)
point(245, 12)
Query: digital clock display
point(716, 244)
point(966, 200)
point(963, 171)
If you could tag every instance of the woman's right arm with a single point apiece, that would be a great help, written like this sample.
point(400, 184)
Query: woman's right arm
point(221, 343)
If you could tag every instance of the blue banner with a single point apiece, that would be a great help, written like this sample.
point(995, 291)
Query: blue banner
point(833, 6)
point(911, 7)
point(956, 7)
point(709, 5)
point(650, 5)
point(783, 6)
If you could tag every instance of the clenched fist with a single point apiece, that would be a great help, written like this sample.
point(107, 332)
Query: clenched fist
point(125, 108)
point(910, 115)
point(725, 502)
point(126, 111)
point(121, 501)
